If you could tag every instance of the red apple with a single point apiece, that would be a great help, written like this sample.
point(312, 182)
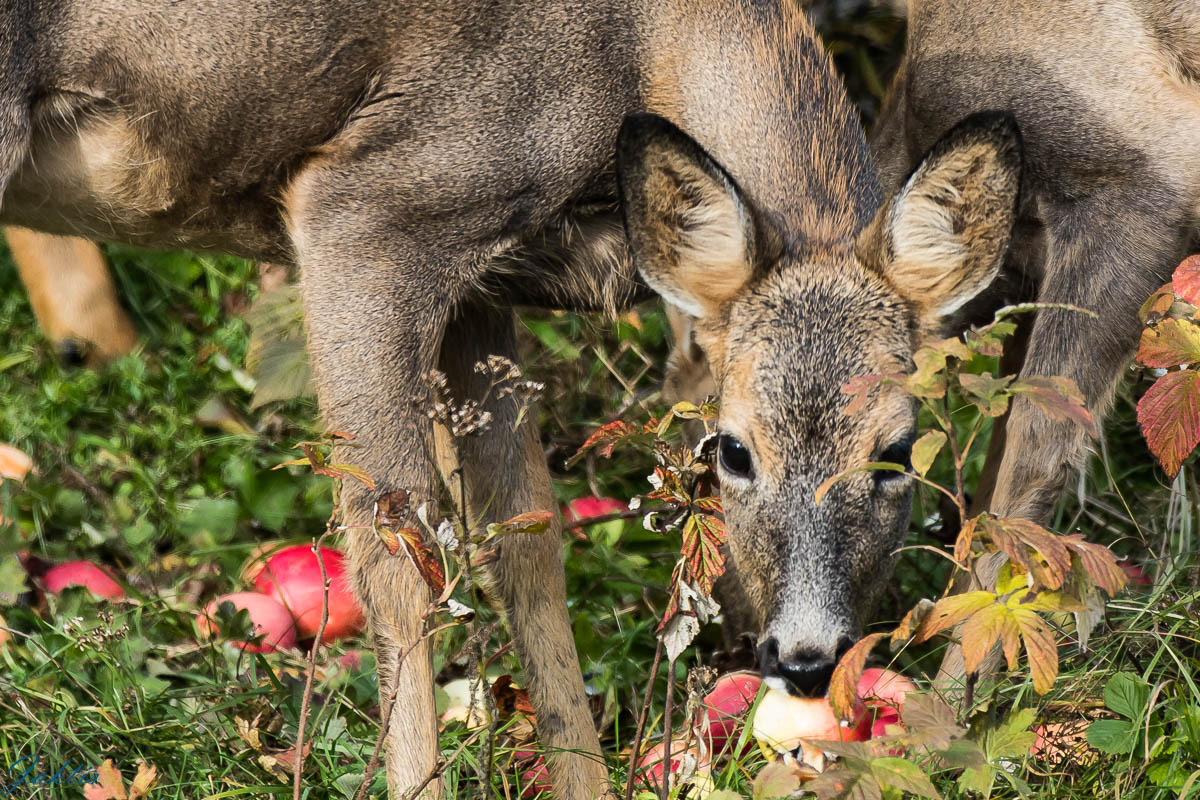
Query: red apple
point(882, 687)
point(535, 779)
point(584, 507)
point(650, 767)
point(293, 577)
point(82, 573)
point(719, 721)
point(1134, 573)
point(269, 618)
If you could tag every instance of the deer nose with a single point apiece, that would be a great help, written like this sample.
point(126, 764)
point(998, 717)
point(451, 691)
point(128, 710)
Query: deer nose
point(805, 672)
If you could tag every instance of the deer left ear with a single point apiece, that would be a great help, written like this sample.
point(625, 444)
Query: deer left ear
point(943, 237)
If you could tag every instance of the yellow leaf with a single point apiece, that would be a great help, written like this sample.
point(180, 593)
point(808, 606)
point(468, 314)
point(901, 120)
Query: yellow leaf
point(949, 611)
point(843, 687)
point(147, 776)
point(982, 630)
point(1040, 647)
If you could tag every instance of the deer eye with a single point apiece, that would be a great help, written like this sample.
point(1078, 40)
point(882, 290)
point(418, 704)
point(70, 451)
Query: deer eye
point(735, 457)
point(898, 452)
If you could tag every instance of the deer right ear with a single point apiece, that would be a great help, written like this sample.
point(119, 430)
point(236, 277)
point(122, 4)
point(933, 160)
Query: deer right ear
point(690, 231)
point(943, 237)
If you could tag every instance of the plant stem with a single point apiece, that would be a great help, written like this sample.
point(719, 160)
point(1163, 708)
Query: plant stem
point(641, 728)
point(666, 785)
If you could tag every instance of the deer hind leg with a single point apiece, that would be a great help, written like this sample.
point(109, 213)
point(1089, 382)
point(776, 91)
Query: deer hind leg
point(506, 475)
point(72, 294)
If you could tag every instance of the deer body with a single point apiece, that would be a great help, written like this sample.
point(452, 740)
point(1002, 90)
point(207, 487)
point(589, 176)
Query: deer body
point(428, 165)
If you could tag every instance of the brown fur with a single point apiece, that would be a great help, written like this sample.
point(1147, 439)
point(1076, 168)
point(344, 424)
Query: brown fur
point(427, 165)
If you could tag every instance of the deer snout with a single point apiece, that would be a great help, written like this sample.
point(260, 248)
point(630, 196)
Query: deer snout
point(802, 671)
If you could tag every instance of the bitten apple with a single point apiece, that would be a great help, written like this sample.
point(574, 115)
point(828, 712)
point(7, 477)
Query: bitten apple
point(82, 573)
point(293, 577)
point(784, 723)
point(651, 766)
point(270, 619)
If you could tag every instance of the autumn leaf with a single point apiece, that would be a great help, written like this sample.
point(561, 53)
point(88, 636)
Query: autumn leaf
point(983, 629)
point(900, 773)
point(1170, 343)
point(951, 610)
point(1158, 304)
point(111, 785)
point(962, 544)
point(143, 781)
point(1169, 416)
point(849, 781)
point(1099, 563)
point(912, 620)
point(930, 720)
point(925, 450)
point(1186, 280)
point(703, 538)
point(423, 557)
point(990, 394)
point(860, 388)
point(533, 522)
point(390, 538)
point(843, 687)
point(1058, 398)
point(605, 438)
point(390, 507)
point(1040, 648)
point(1015, 536)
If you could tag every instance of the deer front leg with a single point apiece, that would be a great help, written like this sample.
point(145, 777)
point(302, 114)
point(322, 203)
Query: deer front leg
point(72, 294)
point(376, 306)
point(506, 475)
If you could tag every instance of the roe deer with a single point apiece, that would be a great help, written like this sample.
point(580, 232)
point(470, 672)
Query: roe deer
point(428, 166)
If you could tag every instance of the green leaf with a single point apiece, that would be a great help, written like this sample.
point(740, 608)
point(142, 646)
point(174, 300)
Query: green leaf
point(1012, 739)
point(1127, 695)
point(776, 780)
point(1058, 398)
point(925, 450)
point(12, 580)
point(904, 775)
point(1113, 736)
point(989, 394)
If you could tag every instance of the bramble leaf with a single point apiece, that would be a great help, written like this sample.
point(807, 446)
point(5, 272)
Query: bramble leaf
point(925, 450)
point(533, 522)
point(1170, 343)
point(912, 620)
point(1058, 398)
point(843, 686)
point(989, 394)
point(900, 773)
point(1169, 416)
point(1040, 648)
point(1099, 562)
point(1015, 536)
point(1158, 304)
point(703, 538)
point(860, 387)
point(605, 438)
point(951, 610)
point(930, 720)
point(423, 557)
point(983, 629)
point(1113, 736)
point(1127, 695)
point(1186, 280)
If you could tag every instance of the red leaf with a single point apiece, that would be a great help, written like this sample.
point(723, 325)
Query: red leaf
point(860, 387)
point(1099, 562)
point(606, 437)
point(1186, 280)
point(1170, 343)
point(703, 537)
point(1059, 398)
point(424, 559)
point(1013, 535)
point(1169, 416)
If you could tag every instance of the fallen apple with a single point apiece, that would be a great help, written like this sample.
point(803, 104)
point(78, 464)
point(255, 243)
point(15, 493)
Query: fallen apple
point(884, 687)
point(535, 779)
point(270, 619)
point(293, 577)
point(14, 464)
point(719, 720)
point(82, 573)
point(584, 507)
point(784, 723)
point(686, 759)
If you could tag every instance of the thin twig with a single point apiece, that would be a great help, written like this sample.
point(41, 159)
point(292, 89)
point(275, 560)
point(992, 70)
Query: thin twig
point(641, 728)
point(666, 784)
point(441, 765)
point(311, 669)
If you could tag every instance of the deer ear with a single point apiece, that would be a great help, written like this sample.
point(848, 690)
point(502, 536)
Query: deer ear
point(941, 240)
point(690, 231)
